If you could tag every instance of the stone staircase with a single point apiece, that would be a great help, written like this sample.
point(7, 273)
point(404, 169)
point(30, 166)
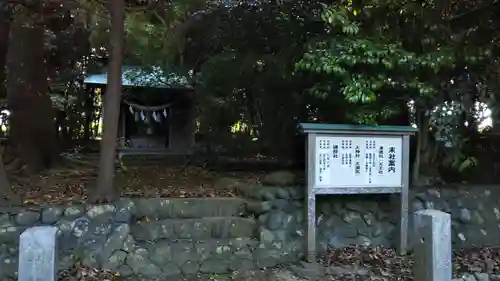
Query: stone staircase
point(187, 208)
point(197, 228)
point(192, 235)
point(164, 237)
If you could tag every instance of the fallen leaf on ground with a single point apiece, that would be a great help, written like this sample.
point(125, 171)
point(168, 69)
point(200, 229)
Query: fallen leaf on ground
point(66, 186)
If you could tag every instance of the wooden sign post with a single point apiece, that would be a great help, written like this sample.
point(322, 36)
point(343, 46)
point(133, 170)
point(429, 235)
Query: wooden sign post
point(356, 159)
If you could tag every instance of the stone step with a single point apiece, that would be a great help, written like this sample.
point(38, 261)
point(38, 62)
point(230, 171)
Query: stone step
point(199, 228)
point(180, 208)
point(191, 256)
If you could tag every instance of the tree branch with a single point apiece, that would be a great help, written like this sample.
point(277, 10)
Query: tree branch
point(476, 13)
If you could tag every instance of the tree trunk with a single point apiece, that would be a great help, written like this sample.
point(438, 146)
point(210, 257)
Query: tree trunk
point(421, 135)
point(111, 112)
point(425, 171)
point(32, 129)
point(495, 117)
point(89, 107)
point(6, 192)
point(495, 123)
point(4, 44)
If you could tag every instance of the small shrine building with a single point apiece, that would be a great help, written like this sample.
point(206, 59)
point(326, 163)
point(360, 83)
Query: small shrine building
point(157, 114)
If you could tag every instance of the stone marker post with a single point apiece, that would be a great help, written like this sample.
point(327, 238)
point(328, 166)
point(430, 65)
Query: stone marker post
point(432, 246)
point(38, 254)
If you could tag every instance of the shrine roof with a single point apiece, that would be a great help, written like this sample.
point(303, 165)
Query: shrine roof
point(378, 129)
point(138, 77)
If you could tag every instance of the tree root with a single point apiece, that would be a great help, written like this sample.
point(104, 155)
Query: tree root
point(100, 196)
point(15, 165)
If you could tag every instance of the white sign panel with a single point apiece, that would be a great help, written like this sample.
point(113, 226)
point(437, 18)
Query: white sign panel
point(358, 161)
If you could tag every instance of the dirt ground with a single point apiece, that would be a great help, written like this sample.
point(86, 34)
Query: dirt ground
point(68, 185)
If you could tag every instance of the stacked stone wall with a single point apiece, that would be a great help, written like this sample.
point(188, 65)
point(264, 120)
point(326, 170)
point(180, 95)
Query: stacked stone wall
point(264, 227)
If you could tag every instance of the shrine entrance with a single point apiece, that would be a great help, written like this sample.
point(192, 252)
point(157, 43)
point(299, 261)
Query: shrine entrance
point(146, 127)
point(154, 119)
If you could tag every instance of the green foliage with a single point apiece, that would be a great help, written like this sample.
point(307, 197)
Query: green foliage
point(147, 42)
point(369, 66)
point(458, 161)
point(373, 56)
point(253, 65)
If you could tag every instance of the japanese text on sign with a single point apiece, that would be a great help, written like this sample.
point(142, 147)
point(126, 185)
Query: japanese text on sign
point(358, 161)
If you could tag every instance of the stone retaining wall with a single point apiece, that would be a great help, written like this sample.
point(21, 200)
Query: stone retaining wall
point(371, 219)
point(263, 228)
point(147, 237)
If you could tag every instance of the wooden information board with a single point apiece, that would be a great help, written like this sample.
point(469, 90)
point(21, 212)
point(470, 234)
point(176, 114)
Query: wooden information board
point(355, 159)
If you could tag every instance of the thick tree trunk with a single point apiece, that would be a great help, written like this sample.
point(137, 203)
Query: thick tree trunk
point(4, 44)
point(32, 129)
point(6, 192)
point(111, 112)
